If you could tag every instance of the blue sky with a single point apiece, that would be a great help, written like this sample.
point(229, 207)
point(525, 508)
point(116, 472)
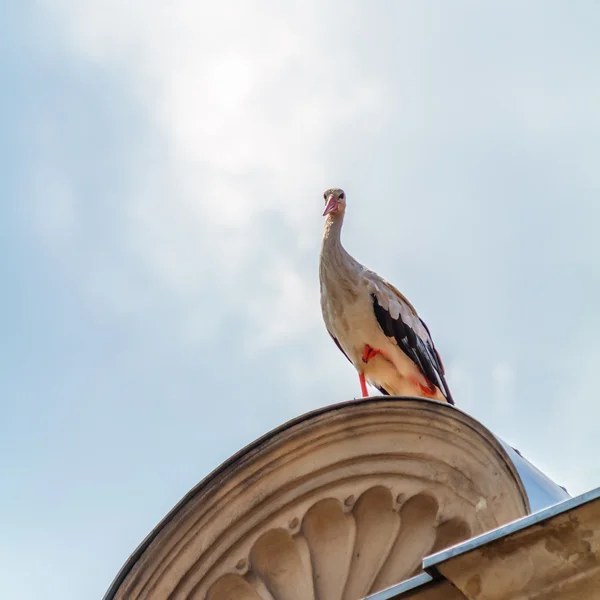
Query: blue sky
point(162, 175)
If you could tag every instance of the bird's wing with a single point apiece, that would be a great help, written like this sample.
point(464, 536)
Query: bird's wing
point(338, 344)
point(400, 321)
point(384, 392)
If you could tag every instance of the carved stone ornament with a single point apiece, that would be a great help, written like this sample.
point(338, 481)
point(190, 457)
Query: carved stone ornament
point(335, 505)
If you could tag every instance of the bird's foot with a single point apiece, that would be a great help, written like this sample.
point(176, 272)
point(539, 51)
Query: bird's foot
point(427, 390)
point(370, 353)
point(363, 385)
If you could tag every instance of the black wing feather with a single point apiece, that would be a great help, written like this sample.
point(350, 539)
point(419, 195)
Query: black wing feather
point(421, 352)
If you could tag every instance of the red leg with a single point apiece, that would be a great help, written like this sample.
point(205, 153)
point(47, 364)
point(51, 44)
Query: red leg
point(363, 385)
point(370, 353)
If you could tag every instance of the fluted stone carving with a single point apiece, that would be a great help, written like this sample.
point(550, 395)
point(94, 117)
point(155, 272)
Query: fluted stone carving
point(334, 506)
point(343, 554)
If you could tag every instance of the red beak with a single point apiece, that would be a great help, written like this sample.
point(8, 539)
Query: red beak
point(331, 205)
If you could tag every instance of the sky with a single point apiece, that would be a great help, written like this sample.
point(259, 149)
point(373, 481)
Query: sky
point(162, 171)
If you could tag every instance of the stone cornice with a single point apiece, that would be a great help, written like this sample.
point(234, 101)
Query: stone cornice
point(334, 505)
point(553, 554)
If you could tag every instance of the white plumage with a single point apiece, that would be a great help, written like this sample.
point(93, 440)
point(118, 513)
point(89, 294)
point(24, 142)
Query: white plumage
point(372, 323)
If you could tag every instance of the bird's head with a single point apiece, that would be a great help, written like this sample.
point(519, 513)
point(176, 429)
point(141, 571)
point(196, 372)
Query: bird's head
point(335, 201)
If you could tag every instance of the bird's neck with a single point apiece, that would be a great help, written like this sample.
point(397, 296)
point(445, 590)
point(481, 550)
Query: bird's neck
point(332, 236)
point(333, 255)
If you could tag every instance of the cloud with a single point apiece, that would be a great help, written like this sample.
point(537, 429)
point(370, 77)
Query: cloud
point(183, 149)
point(455, 161)
point(51, 210)
point(243, 121)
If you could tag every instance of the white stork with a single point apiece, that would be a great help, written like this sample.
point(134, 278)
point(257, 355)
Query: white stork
point(372, 323)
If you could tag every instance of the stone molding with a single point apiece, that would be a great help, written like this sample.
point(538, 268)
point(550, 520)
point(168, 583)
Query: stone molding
point(556, 558)
point(553, 554)
point(333, 506)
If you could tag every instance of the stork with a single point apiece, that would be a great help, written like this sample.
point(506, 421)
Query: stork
point(372, 323)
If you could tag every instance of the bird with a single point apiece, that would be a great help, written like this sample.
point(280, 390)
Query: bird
point(372, 323)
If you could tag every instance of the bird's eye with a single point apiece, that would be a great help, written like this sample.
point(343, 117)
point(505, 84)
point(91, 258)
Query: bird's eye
point(325, 196)
point(342, 196)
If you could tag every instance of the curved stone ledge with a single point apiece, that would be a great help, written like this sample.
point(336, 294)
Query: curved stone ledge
point(333, 506)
